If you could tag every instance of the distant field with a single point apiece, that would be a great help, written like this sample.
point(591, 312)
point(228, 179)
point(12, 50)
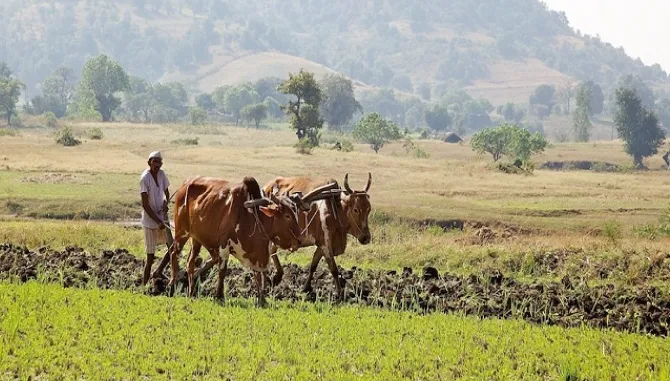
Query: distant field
point(98, 178)
point(51, 332)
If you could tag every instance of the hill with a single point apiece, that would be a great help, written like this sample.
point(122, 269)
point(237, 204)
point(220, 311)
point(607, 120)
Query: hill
point(492, 49)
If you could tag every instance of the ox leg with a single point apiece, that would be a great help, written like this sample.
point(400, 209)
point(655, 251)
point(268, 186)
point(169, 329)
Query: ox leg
point(260, 286)
point(279, 274)
point(336, 275)
point(223, 267)
point(190, 266)
point(177, 245)
point(312, 268)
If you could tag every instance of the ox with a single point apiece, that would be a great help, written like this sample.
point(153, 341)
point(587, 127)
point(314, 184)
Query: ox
point(236, 218)
point(326, 223)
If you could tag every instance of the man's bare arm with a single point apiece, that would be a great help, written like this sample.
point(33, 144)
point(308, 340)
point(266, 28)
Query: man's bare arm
point(149, 211)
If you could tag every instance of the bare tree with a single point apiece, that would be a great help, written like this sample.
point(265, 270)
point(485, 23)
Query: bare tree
point(566, 92)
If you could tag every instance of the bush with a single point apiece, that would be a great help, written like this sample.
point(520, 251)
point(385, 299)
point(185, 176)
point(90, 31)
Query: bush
point(343, 146)
point(304, 146)
point(186, 142)
point(95, 134)
point(6, 131)
point(65, 137)
point(50, 119)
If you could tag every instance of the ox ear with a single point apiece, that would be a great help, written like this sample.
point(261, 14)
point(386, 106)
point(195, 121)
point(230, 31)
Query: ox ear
point(269, 211)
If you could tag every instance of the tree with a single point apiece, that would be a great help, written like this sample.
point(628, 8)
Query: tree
point(597, 98)
point(511, 113)
point(59, 86)
point(543, 95)
point(205, 101)
point(256, 113)
point(438, 118)
point(102, 78)
point(198, 115)
point(643, 92)
point(413, 117)
point(566, 92)
point(580, 119)
point(10, 90)
point(637, 126)
point(376, 131)
point(304, 111)
point(508, 140)
point(663, 112)
point(339, 104)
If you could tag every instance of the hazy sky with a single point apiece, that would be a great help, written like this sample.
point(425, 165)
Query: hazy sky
point(640, 26)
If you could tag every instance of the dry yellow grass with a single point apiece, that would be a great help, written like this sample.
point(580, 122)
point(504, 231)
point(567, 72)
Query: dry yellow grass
point(454, 183)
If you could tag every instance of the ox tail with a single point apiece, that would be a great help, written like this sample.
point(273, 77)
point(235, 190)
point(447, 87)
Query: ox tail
point(252, 186)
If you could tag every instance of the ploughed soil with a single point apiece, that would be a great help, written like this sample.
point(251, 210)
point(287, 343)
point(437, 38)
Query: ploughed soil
point(567, 303)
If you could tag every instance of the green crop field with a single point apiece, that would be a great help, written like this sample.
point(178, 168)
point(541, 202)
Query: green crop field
point(48, 332)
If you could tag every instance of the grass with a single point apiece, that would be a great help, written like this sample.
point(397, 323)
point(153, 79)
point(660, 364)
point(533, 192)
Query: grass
point(50, 332)
point(453, 183)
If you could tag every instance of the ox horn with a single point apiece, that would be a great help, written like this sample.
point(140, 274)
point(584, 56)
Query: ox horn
point(346, 184)
point(257, 202)
point(367, 186)
point(320, 190)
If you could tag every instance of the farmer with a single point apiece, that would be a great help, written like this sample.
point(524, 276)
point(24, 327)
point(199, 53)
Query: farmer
point(155, 195)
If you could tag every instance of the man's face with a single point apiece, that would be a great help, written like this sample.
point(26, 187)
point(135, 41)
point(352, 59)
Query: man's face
point(155, 164)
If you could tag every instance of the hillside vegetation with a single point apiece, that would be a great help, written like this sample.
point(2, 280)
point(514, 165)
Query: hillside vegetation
point(413, 47)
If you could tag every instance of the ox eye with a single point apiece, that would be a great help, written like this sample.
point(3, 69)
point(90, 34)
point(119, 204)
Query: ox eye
point(356, 210)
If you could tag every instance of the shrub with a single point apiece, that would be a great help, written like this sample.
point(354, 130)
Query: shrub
point(65, 137)
point(95, 134)
point(304, 146)
point(186, 141)
point(50, 119)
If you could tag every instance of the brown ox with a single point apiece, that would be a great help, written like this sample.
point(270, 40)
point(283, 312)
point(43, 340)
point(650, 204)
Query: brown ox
point(326, 223)
point(218, 214)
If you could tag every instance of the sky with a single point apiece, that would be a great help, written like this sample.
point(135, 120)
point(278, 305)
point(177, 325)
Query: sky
point(640, 26)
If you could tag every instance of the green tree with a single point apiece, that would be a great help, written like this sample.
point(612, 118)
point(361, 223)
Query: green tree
point(255, 113)
point(580, 119)
point(304, 110)
point(413, 117)
point(597, 100)
point(642, 91)
point(205, 101)
point(376, 131)
point(637, 126)
point(339, 104)
point(102, 78)
point(508, 140)
point(10, 90)
point(511, 113)
point(198, 115)
point(60, 87)
point(543, 95)
point(438, 118)
point(138, 99)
